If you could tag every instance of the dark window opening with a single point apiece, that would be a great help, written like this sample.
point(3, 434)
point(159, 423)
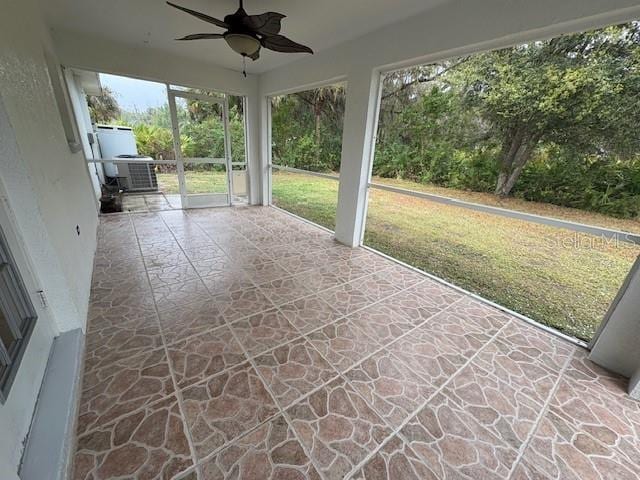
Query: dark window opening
point(17, 318)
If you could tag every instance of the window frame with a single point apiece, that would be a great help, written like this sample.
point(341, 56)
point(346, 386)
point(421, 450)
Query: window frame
point(18, 313)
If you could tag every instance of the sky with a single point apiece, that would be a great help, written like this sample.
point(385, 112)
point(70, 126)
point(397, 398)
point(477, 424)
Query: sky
point(133, 94)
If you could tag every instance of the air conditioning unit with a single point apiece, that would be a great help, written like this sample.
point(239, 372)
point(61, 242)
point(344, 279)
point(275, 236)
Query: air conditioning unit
point(118, 142)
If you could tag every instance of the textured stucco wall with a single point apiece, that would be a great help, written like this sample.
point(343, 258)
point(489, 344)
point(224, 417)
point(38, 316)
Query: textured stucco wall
point(45, 193)
point(48, 186)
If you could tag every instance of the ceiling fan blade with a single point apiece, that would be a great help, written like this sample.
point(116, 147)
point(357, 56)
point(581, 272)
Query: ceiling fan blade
point(199, 15)
point(266, 23)
point(280, 43)
point(201, 36)
point(255, 56)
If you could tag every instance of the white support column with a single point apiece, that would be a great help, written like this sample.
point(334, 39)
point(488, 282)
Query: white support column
point(617, 345)
point(265, 149)
point(634, 385)
point(358, 138)
point(254, 154)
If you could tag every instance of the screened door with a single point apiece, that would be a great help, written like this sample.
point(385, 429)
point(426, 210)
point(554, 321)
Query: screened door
point(202, 143)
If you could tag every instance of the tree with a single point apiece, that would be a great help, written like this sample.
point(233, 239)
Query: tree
point(576, 90)
point(307, 128)
point(324, 101)
point(103, 108)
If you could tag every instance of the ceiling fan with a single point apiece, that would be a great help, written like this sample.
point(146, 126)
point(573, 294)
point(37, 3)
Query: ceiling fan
point(247, 34)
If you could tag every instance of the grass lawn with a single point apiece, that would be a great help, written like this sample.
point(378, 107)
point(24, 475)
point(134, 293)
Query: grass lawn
point(557, 277)
point(197, 182)
point(313, 198)
point(537, 208)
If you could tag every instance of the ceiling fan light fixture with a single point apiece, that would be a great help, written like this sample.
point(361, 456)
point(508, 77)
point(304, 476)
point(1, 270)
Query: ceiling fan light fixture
point(241, 43)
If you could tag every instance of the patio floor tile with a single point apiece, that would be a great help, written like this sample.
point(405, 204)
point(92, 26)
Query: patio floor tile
point(264, 271)
point(342, 343)
point(400, 276)
point(519, 367)
point(204, 251)
point(171, 275)
point(204, 355)
point(381, 323)
point(390, 387)
point(284, 290)
point(271, 452)
point(395, 461)
point(180, 294)
point(438, 355)
point(122, 386)
point(587, 433)
point(496, 405)
point(347, 270)
point(270, 351)
point(231, 280)
point(454, 445)
point(264, 331)
point(134, 281)
point(120, 339)
point(212, 266)
point(110, 298)
point(348, 298)
point(224, 407)
point(309, 313)
point(175, 257)
point(240, 304)
point(473, 316)
point(416, 309)
point(122, 316)
point(337, 428)
point(191, 319)
point(539, 345)
point(298, 264)
point(147, 443)
point(319, 279)
point(437, 293)
point(293, 370)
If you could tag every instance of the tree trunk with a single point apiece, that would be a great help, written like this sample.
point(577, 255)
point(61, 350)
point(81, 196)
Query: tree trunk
point(517, 150)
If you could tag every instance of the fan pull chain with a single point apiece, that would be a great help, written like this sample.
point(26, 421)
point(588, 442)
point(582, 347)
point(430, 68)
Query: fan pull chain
point(244, 66)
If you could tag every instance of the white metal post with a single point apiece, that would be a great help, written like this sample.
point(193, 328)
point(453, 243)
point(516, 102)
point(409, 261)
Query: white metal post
point(227, 147)
point(253, 132)
point(248, 153)
point(265, 143)
point(358, 139)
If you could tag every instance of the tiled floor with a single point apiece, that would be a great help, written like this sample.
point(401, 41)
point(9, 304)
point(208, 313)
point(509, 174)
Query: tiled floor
point(244, 344)
point(150, 202)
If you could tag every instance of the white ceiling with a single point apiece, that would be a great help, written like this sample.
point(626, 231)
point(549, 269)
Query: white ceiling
point(318, 23)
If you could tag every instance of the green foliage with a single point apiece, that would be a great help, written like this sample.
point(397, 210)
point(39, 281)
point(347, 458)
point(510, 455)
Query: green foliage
point(156, 116)
point(611, 187)
point(154, 141)
point(553, 121)
point(103, 108)
point(201, 130)
point(307, 129)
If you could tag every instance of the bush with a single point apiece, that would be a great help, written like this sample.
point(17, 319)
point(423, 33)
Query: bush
point(608, 186)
